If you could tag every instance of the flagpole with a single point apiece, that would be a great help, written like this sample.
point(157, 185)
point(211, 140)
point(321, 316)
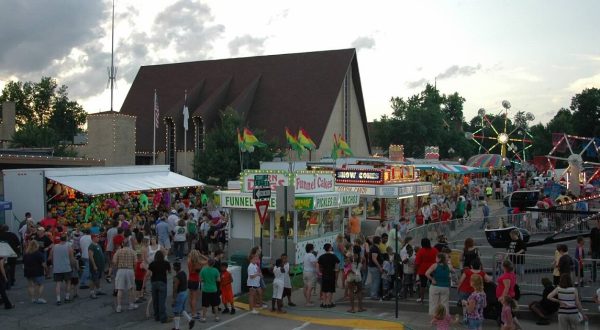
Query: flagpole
point(154, 131)
point(185, 132)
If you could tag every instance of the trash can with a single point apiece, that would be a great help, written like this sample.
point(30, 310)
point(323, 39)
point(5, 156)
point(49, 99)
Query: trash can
point(242, 261)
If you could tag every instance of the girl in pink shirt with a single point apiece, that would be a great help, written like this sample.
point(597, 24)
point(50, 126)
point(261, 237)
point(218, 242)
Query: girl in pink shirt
point(441, 319)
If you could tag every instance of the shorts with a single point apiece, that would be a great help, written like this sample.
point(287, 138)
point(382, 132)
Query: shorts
point(179, 303)
point(191, 237)
point(96, 275)
point(124, 280)
point(37, 280)
point(139, 284)
point(210, 299)
point(74, 280)
point(310, 279)
point(165, 243)
point(193, 285)
point(62, 277)
point(328, 285)
point(474, 324)
point(277, 290)
point(287, 292)
point(424, 280)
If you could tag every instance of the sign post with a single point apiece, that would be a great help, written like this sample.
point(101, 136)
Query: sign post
point(262, 194)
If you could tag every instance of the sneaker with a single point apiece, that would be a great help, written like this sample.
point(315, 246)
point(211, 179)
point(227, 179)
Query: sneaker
point(225, 311)
point(40, 301)
point(291, 304)
point(203, 320)
point(133, 307)
point(419, 300)
point(254, 311)
point(58, 303)
point(67, 300)
point(191, 324)
point(108, 280)
point(264, 305)
point(138, 300)
point(232, 311)
point(119, 309)
point(217, 319)
point(83, 287)
point(100, 293)
point(197, 317)
point(93, 296)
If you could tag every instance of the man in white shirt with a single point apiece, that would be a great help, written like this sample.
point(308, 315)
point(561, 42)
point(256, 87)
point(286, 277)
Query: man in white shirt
point(380, 230)
point(309, 273)
point(172, 220)
point(84, 244)
point(194, 213)
point(253, 282)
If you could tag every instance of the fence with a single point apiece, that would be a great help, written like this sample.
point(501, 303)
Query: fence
point(533, 268)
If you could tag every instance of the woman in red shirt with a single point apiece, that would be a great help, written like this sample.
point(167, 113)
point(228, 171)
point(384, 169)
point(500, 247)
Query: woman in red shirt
point(424, 259)
point(195, 263)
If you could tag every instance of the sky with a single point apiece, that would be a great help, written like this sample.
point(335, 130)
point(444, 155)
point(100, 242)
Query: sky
point(536, 54)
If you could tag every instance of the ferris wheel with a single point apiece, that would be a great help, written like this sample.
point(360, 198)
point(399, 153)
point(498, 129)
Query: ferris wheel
point(515, 141)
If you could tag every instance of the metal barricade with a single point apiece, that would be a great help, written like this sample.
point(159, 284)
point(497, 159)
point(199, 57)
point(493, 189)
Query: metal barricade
point(531, 269)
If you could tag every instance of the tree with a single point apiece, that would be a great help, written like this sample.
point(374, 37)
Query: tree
point(586, 112)
point(45, 117)
point(453, 110)
point(219, 162)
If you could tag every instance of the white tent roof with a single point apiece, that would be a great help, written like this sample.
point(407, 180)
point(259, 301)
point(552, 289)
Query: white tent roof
point(107, 180)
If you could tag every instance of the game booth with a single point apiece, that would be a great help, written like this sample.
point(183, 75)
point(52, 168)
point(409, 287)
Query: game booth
point(315, 214)
point(84, 196)
point(387, 192)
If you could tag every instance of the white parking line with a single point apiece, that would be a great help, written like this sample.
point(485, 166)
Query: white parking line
point(225, 322)
point(302, 326)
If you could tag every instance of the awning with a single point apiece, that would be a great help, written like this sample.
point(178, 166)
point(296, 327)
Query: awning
point(488, 160)
point(108, 180)
point(449, 168)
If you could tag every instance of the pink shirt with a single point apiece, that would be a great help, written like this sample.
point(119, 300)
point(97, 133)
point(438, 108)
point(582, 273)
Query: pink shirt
point(442, 324)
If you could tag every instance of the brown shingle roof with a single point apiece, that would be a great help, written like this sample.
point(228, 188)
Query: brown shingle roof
point(272, 92)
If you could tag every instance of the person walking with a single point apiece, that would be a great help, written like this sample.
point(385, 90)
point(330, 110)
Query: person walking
point(3, 283)
point(426, 256)
point(210, 276)
point(11, 262)
point(34, 268)
point(179, 239)
point(570, 305)
point(439, 275)
point(159, 268)
point(375, 263)
point(62, 258)
point(97, 263)
point(475, 304)
point(124, 262)
point(485, 210)
point(84, 244)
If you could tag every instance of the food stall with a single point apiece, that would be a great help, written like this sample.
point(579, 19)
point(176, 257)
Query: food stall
point(316, 216)
point(90, 194)
point(387, 192)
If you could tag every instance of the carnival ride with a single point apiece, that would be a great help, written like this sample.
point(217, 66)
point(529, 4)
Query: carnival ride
point(576, 146)
point(517, 140)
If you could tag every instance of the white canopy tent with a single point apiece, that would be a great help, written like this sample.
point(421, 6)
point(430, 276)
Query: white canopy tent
point(107, 180)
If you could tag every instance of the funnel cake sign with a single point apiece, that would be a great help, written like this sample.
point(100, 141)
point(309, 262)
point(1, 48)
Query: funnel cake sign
point(313, 182)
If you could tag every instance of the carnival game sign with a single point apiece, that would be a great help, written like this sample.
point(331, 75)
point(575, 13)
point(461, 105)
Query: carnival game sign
point(314, 182)
point(276, 178)
point(359, 176)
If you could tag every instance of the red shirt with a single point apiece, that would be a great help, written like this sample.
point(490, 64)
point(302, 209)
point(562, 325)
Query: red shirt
point(48, 222)
point(424, 259)
point(193, 274)
point(140, 272)
point(446, 216)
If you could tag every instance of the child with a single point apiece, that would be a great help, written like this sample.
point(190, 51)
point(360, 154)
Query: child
point(278, 271)
point(180, 296)
point(408, 280)
point(508, 305)
point(579, 255)
point(388, 275)
point(140, 275)
point(287, 282)
point(226, 289)
point(441, 319)
point(253, 282)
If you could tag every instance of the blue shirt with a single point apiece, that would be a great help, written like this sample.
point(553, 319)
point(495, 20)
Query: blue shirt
point(486, 210)
point(162, 230)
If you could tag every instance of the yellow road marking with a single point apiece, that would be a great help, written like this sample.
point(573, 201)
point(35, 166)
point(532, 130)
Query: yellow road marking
point(352, 323)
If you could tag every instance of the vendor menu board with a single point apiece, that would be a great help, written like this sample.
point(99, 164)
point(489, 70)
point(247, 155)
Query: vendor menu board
point(359, 176)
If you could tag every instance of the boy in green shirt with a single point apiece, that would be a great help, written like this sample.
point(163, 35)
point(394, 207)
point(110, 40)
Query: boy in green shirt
point(209, 277)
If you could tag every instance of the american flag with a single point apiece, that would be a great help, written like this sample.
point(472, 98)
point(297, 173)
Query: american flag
point(156, 112)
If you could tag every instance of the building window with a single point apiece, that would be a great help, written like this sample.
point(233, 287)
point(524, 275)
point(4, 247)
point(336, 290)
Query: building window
point(170, 150)
point(198, 135)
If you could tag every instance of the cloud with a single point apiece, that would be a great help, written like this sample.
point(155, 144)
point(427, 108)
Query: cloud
point(457, 71)
point(35, 33)
point(49, 39)
point(416, 83)
point(580, 84)
point(253, 45)
point(363, 43)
